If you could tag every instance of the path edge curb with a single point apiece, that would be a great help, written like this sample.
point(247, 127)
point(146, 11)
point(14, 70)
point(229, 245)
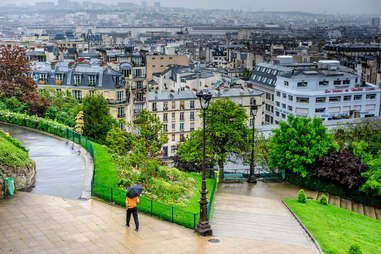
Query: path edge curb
point(305, 229)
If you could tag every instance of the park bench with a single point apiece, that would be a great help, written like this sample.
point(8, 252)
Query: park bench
point(233, 177)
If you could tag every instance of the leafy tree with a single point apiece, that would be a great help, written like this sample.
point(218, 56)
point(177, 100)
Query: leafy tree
point(12, 104)
point(51, 113)
point(226, 134)
point(298, 143)
point(246, 74)
point(14, 74)
point(118, 141)
point(340, 167)
point(79, 123)
point(97, 118)
point(35, 104)
point(63, 117)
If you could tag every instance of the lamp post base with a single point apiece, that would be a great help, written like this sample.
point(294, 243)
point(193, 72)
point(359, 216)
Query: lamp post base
point(252, 179)
point(204, 229)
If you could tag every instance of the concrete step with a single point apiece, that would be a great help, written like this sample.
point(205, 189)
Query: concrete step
point(346, 204)
point(358, 208)
point(369, 211)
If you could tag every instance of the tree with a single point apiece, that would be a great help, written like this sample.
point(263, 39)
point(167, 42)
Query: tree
point(298, 143)
point(246, 74)
point(79, 123)
point(119, 142)
point(97, 118)
point(14, 74)
point(12, 104)
point(226, 134)
point(35, 104)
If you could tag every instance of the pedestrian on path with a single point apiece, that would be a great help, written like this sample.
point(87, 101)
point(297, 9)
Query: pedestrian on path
point(131, 208)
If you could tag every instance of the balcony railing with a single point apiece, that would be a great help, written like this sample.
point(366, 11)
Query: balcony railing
point(113, 101)
point(121, 115)
point(140, 100)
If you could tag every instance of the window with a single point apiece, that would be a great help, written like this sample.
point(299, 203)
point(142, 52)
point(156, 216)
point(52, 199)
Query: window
point(77, 94)
point(191, 116)
point(181, 126)
point(165, 117)
point(278, 94)
point(283, 105)
point(165, 128)
point(191, 104)
point(346, 82)
point(277, 103)
point(251, 122)
point(347, 97)
point(165, 149)
point(139, 97)
point(268, 96)
point(283, 116)
point(77, 79)
point(276, 113)
point(173, 104)
point(139, 84)
point(43, 76)
point(154, 106)
point(285, 83)
point(268, 107)
point(59, 76)
point(92, 80)
point(173, 149)
point(165, 106)
point(284, 95)
point(290, 98)
point(302, 99)
point(173, 137)
point(290, 108)
point(302, 84)
point(337, 82)
point(357, 97)
point(319, 110)
point(116, 80)
point(173, 127)
point(191, 126)
point(182, 105)
point(182, 138)
point(320, 99)
point(334, 98)
point(92, 92)
point(181, 116)
point(323, 83)
point(371, 96)
point(121, 112)
point(119, 97)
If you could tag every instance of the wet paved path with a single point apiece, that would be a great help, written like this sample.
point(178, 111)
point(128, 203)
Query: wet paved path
point(40, 224)
point(255, 212)
point(60, 169)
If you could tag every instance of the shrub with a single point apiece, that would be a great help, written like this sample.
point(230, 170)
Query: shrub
point(51, 113)
point(354, 249)
point(323, 199)
point(301, 196)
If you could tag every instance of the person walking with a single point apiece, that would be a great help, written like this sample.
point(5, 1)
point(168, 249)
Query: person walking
point(131, 208)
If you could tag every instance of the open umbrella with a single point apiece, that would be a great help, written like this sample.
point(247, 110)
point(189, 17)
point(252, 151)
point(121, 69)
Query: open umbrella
point(134, 191)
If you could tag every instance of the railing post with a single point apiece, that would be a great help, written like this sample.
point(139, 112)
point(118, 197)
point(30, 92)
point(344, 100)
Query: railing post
point(194, 220)
point(151, 207)
point(172, 214)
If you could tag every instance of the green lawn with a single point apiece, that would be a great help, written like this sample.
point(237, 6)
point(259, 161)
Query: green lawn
point(336, 229)
point(12, 154)
point(106, 176)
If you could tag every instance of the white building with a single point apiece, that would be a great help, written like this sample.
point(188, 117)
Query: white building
point(324, 89)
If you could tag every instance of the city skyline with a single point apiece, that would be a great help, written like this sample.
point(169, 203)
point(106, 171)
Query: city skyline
point(354, 7)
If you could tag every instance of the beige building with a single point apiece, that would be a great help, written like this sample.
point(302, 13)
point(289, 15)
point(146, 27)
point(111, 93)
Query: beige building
point(159, 63)
point(180, 111)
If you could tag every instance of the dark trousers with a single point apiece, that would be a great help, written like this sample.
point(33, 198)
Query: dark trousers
point(134, 212)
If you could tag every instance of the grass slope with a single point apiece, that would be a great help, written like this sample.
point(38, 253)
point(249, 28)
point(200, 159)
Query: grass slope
point(336, 229)
point(12, 153)
point(106, 173)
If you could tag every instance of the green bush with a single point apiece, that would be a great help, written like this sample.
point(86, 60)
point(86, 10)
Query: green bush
point(323, 199)
point(354, 249)
point(301, 196)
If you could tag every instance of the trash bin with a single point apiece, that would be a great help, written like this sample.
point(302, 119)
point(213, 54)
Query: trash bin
point(11, 185)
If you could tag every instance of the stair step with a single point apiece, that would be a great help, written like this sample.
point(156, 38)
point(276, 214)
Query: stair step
point(369, 211)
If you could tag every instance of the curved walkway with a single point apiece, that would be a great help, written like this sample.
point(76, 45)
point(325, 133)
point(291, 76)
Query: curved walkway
point(255, 212)
point(61, 165)
point(40, 224)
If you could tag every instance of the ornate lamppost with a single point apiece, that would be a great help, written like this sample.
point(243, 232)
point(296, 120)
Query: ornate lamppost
point(203, 227)
point(253, 113)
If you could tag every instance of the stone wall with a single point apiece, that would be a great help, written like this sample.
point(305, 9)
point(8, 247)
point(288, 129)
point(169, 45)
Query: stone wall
point(24, 177)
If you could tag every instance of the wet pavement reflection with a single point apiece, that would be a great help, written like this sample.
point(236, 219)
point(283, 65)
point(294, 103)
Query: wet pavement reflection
point(60, 167)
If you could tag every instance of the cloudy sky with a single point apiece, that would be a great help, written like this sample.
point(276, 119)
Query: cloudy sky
point(317, 6)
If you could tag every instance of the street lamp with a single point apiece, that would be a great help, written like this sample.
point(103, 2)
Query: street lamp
point(203, 227)
point(253, 113)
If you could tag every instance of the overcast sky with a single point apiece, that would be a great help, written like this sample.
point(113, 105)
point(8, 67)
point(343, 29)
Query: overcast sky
point(317, 6)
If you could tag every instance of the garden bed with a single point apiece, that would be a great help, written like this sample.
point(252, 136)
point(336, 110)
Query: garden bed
point(336, 229)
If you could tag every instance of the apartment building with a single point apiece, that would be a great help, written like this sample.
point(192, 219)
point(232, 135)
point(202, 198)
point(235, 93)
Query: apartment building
point(159, 63)
point(325, 90)
point(82, 79)
point(180, 111)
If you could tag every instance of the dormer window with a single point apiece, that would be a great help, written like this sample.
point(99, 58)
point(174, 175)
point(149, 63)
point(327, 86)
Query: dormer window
point(43, 77)
point(116, 80)
point(302, 84)
point(92, 80)
point(59, 76)
point(77, 79)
